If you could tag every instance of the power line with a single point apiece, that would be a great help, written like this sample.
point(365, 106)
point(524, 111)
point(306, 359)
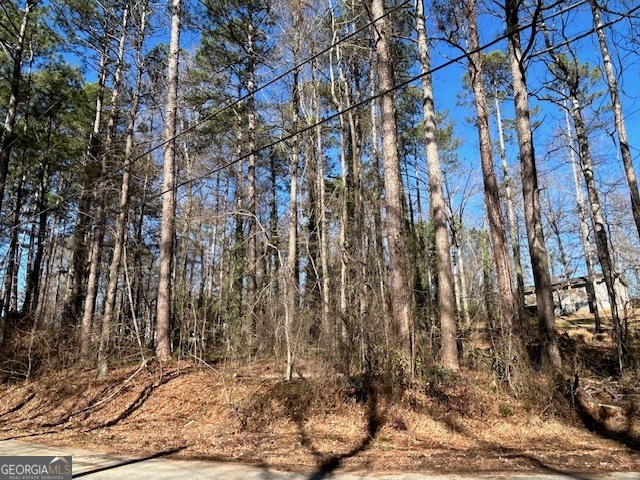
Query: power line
point(250, 94)
point(394, 88)
point(336, 114)
point(297, 66)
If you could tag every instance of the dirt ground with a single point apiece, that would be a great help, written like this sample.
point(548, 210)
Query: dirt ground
point(465, 424)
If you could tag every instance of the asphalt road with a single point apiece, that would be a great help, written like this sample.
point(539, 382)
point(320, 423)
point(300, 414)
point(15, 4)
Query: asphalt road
point(101, 466)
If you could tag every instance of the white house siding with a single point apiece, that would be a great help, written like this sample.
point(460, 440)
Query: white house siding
point(576, 299)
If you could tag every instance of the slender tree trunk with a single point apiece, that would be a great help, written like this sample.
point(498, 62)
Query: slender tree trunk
point(138, 267)
point(92, 171)
point(100, 214)
point(252, 254)
point(322, 217)
point(554, 225)
point(342, 236)
point(460, 283)
point(238, 267)
point(324, 238)
point(356, 238)
point(123, 213)
point(274, 247)
point(167, 235)
point(312, 291)
point(398, 267)
point(7, 138)
point(292, 253)
point(290, 273)
point(531, 193)
point(568, 74)
point(446, 293)
point(599, 225)
point(7, 297)
point(40, 304)
point(497, 227)
point(377, 215)
point(584, 230)
point(463, 284)
point(32, 290)
point(514, 228)
point(354, 228)
point(621, 128)
point(487, 279)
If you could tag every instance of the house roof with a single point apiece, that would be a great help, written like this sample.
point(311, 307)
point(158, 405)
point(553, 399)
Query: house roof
point(575, 282)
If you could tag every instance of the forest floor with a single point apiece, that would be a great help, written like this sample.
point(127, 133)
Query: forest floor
point(465, 423)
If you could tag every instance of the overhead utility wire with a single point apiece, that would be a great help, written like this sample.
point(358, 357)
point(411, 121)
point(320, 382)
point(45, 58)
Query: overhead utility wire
point(208, 117)
point(582, 35)
point(337, 114)
point(252, 93)
point(394, 88)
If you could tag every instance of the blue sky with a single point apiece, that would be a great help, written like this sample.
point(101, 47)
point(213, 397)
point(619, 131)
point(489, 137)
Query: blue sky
point(553, 164)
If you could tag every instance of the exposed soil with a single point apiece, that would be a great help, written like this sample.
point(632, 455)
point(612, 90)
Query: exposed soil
point(443, 424)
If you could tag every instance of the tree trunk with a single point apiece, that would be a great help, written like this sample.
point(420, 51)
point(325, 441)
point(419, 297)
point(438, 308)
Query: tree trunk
point(497, 227)
point(554, 225)
point(612, 83)
point(487, 279)
point(292, 258)
point(32, 290)
point(100, 213)
point(7, 138)
point(344, 214)
point(167, 235)
point(584, 231)
point(398, 267)
point(7, 297)
point(514, 228)
point(252, 285)
point(92, 172)
point(446, 289)
point(292, 253)
point(568, 73)
point(459, 280)
point(312, 292)
point(322, 217)
point(123, 213)
point(599, 225)
point(354, 255)
point(377, 213)
point(531, 193)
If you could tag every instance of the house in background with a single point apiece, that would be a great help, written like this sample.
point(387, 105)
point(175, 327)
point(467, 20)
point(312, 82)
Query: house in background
point(572, 296)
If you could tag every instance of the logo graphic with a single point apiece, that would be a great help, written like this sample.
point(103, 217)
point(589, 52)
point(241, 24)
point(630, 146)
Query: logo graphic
point(35, 468)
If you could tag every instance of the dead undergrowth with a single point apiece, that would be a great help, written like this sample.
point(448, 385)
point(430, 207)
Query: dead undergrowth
point(454, 423)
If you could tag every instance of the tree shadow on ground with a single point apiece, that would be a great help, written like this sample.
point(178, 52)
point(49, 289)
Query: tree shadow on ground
point(511, 453)
point(297, 412)
point(82, 408)
point(140, 399)
point(75, 411)
point(593, 417)
point(29, 435)
point(19, 405)
point(40, 407)
point(44, 404)
point(164, 453)
point(450, 418)
point(328, 464)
